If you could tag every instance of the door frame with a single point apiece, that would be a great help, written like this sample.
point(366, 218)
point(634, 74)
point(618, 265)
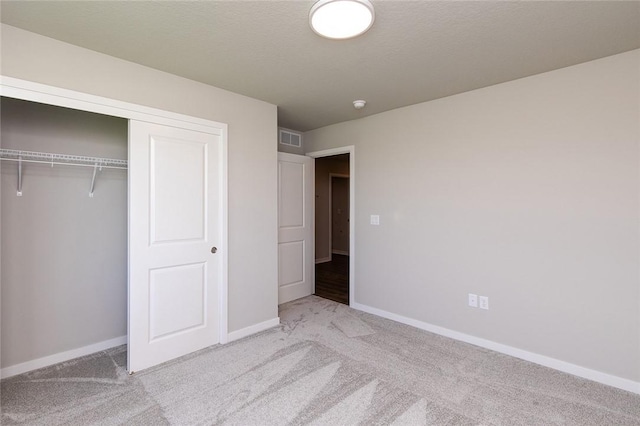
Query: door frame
point(338, 176)
point(41, 93)
point(351, 150)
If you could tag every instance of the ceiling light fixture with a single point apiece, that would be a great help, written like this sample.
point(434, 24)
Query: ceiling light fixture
point(341, 19)
point(359, 104)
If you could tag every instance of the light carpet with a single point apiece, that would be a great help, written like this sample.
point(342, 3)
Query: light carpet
point(326, 364)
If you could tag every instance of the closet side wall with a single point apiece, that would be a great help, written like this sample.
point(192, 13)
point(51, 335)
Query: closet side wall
point(64, 254)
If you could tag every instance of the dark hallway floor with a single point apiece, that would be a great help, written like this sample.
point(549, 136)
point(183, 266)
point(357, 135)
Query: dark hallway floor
point(332, 279)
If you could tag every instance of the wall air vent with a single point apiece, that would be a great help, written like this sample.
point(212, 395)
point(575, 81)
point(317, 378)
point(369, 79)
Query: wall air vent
point(289, 138)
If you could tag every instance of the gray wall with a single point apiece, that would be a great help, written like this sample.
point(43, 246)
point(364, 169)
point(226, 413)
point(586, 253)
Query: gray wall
point(64, 263)
point(324, 166)
point(252, 156)
point(526, 192)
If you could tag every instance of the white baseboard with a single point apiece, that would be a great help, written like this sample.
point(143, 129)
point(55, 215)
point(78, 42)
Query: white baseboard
point(342, 252)
point(323, 260)
point(253, 329)
point(46, 361)
point(566, 367)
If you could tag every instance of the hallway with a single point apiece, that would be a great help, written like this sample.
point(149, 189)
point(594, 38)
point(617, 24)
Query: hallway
point(332, 279)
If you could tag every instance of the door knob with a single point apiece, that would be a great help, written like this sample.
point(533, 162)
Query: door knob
point(214, 250)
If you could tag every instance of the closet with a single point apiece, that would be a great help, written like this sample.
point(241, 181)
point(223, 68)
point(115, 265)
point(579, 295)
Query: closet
point(63, 231)
point(98, 256)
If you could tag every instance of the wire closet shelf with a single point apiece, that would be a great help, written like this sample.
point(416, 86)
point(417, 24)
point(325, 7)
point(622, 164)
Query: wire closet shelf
point(97, 163)
point(61, 159)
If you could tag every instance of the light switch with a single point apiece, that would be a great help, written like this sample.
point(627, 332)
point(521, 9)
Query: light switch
point(375, 219)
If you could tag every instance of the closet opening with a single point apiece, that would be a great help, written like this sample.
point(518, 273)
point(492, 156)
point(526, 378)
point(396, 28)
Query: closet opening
point(64, 234)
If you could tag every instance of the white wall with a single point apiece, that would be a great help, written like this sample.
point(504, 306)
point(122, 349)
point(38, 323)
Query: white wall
point(526, 192)
point(64, 263)
point(252, 155)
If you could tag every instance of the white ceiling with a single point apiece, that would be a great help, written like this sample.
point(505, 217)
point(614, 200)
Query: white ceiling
point(416, 51)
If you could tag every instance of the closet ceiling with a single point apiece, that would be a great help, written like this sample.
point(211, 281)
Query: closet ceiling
point(416, 51)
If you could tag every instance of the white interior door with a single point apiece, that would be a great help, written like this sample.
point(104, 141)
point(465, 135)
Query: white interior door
point(295, 227)
point(176, 217)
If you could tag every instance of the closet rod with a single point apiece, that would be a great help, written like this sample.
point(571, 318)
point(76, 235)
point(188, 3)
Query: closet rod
point(61, 159)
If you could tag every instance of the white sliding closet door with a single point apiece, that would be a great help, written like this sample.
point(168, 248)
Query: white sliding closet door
point(175, 231)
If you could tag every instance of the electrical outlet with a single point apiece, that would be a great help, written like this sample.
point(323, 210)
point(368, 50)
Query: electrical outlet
point(473, 300)
point(375, 219)
point(484, 302)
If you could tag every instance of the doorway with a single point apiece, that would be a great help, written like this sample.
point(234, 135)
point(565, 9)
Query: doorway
point(332, 227)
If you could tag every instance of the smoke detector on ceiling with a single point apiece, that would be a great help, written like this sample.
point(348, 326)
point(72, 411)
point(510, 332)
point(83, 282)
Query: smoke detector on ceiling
point(359, 104)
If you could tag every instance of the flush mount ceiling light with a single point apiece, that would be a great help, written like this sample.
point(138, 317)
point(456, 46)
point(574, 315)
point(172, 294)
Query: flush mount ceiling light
point(341, 19)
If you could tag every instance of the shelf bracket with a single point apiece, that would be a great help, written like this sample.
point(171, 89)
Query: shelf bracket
point(19, 192)
point(93, 179)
